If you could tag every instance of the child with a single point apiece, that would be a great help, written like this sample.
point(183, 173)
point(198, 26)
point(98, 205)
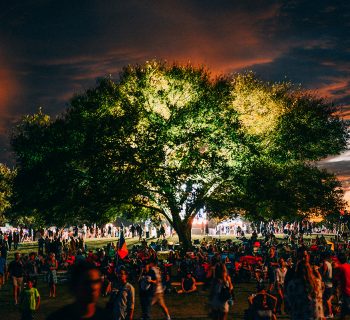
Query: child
point(30, 301)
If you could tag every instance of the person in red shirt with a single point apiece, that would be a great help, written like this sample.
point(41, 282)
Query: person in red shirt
point(344, 277)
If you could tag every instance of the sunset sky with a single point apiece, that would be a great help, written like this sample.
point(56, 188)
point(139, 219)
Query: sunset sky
point(50, 50)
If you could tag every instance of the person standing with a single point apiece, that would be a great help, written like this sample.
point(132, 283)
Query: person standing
point(31, 268)
point(15, 239)
point(52, 266)
point(122, 300)
point(271, 264)
point(30, 301)
point(16, 270)
point(9, 240)
point(281, 272)
point(304, 293)
point(139, 231)
point(146, 290)
point(221, 293)
point(132, 229)
point(2, 271)
point(344, 283)
point(327, 277)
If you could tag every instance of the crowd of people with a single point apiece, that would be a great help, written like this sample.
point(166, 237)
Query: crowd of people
point(15, 235)
point(306, 280)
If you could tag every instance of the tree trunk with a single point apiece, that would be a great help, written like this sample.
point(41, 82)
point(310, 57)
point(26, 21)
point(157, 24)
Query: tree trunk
point(183, 229)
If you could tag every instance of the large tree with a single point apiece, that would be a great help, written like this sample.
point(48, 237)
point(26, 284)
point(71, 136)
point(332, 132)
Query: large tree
point(169, 140)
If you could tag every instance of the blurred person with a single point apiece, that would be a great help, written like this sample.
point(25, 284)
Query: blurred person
point(85, 285)
point(344, 284)
point(221, 293)
point(304, 293)
point(158, 292)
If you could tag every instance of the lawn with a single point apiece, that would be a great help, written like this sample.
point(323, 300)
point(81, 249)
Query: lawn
point(180, 306)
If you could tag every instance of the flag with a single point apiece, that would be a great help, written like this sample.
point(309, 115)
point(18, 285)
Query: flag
point(122, 249)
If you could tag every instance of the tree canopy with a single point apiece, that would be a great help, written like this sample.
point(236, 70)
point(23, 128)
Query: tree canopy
point(168, 140)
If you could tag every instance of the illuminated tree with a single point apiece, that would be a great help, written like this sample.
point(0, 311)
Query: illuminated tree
point(6, 180)
point(169, 140)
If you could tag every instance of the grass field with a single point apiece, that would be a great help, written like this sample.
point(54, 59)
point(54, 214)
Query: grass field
point(180, 306)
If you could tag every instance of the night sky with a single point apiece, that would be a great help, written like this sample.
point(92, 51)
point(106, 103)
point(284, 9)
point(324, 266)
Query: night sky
point(50, 50)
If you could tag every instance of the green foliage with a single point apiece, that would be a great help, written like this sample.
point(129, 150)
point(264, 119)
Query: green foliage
point(6, 180)
point(168, 140)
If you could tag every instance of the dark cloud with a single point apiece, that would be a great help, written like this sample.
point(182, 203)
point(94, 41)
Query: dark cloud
point(53, 49)
point(314, 68)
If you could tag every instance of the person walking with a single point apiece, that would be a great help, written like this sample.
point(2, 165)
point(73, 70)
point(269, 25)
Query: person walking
point(158, 294)
point(16, 270)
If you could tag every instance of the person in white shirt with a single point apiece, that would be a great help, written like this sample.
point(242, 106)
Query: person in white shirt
point(158, 293)
point(326, 271)
point(281, 272)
